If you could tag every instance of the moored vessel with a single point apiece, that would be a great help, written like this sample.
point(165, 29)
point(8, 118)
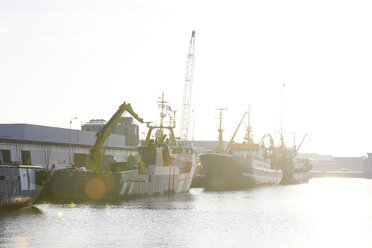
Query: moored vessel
point(367, 166)
point(160, 166)
point(295, 170)
point(225, 171)
point(20, 185)
point(240, 164)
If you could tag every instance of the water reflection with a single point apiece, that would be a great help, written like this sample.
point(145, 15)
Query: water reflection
point(179, 201)
point(171, 202)
point(341, 212)
point(323, 213)
point(30, 210)
point(11, 222)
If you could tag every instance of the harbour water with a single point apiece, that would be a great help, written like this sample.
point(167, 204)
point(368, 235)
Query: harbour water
point(326, 212)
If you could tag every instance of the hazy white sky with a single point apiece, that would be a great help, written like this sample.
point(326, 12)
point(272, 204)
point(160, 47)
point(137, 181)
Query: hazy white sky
point(60, 59)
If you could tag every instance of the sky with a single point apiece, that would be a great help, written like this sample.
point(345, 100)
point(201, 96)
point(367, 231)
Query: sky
point(61, 59)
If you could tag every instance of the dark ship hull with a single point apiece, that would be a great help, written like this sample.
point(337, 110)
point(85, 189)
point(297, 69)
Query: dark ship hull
point(110, 186)
point(20, 186)
point(295, 171)
point(73, 185)
point(223, 171)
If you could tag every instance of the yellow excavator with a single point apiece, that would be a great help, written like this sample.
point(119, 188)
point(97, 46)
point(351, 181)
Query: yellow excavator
point(98, 150)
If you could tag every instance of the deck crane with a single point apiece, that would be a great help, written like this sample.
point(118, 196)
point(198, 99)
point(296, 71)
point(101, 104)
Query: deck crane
point(236, 130)
point(98, 150)
point(187, 90)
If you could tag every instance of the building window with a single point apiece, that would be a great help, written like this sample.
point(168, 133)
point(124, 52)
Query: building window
point(26, 157)
point(5, 157)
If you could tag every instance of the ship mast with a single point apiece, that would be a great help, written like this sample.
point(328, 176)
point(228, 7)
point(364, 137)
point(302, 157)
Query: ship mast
point(248, 136)
point(281, 115)
point(220, 131)
point(164, 111)
point(281, 134)
point(162, 105)
point(294, 141)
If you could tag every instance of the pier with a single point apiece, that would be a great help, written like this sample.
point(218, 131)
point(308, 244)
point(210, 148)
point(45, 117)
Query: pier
point(343, 174)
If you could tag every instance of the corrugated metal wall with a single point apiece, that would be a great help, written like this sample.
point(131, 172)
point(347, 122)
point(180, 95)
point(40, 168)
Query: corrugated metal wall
point(61, 156)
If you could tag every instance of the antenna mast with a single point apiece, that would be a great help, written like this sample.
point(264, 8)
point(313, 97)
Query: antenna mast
point(281, 115)
point(162, 105)
point(248, 135)
point(187, 90)
point(220, 131)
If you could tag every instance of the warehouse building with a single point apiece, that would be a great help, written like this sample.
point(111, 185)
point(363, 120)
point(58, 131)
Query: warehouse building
point(43, 145)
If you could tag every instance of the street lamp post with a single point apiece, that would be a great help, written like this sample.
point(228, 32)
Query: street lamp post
point(69, 148)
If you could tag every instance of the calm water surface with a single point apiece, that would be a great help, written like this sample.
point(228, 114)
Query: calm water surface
point(323, 213)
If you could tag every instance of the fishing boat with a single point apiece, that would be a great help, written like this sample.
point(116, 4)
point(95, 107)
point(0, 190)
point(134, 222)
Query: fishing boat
point(161, 166)
point(295, 170)
point(240, 164)
point(20, 185)
point(298, 172)
point(367, 166)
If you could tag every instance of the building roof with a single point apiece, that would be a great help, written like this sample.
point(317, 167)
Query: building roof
point(37, 133)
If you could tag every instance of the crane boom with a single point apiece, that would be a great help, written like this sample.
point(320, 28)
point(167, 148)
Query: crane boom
point(97, 151)
point(236, 130)
point(187, 90)
point(302, 141)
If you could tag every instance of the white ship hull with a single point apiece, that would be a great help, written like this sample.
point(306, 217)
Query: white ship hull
point(259, 171)
point(162, 180)
point(20, 185)
point(106, 185)
point(260, 176)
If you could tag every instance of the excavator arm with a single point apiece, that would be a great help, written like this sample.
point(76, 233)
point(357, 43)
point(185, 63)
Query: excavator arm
point(97, 151)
